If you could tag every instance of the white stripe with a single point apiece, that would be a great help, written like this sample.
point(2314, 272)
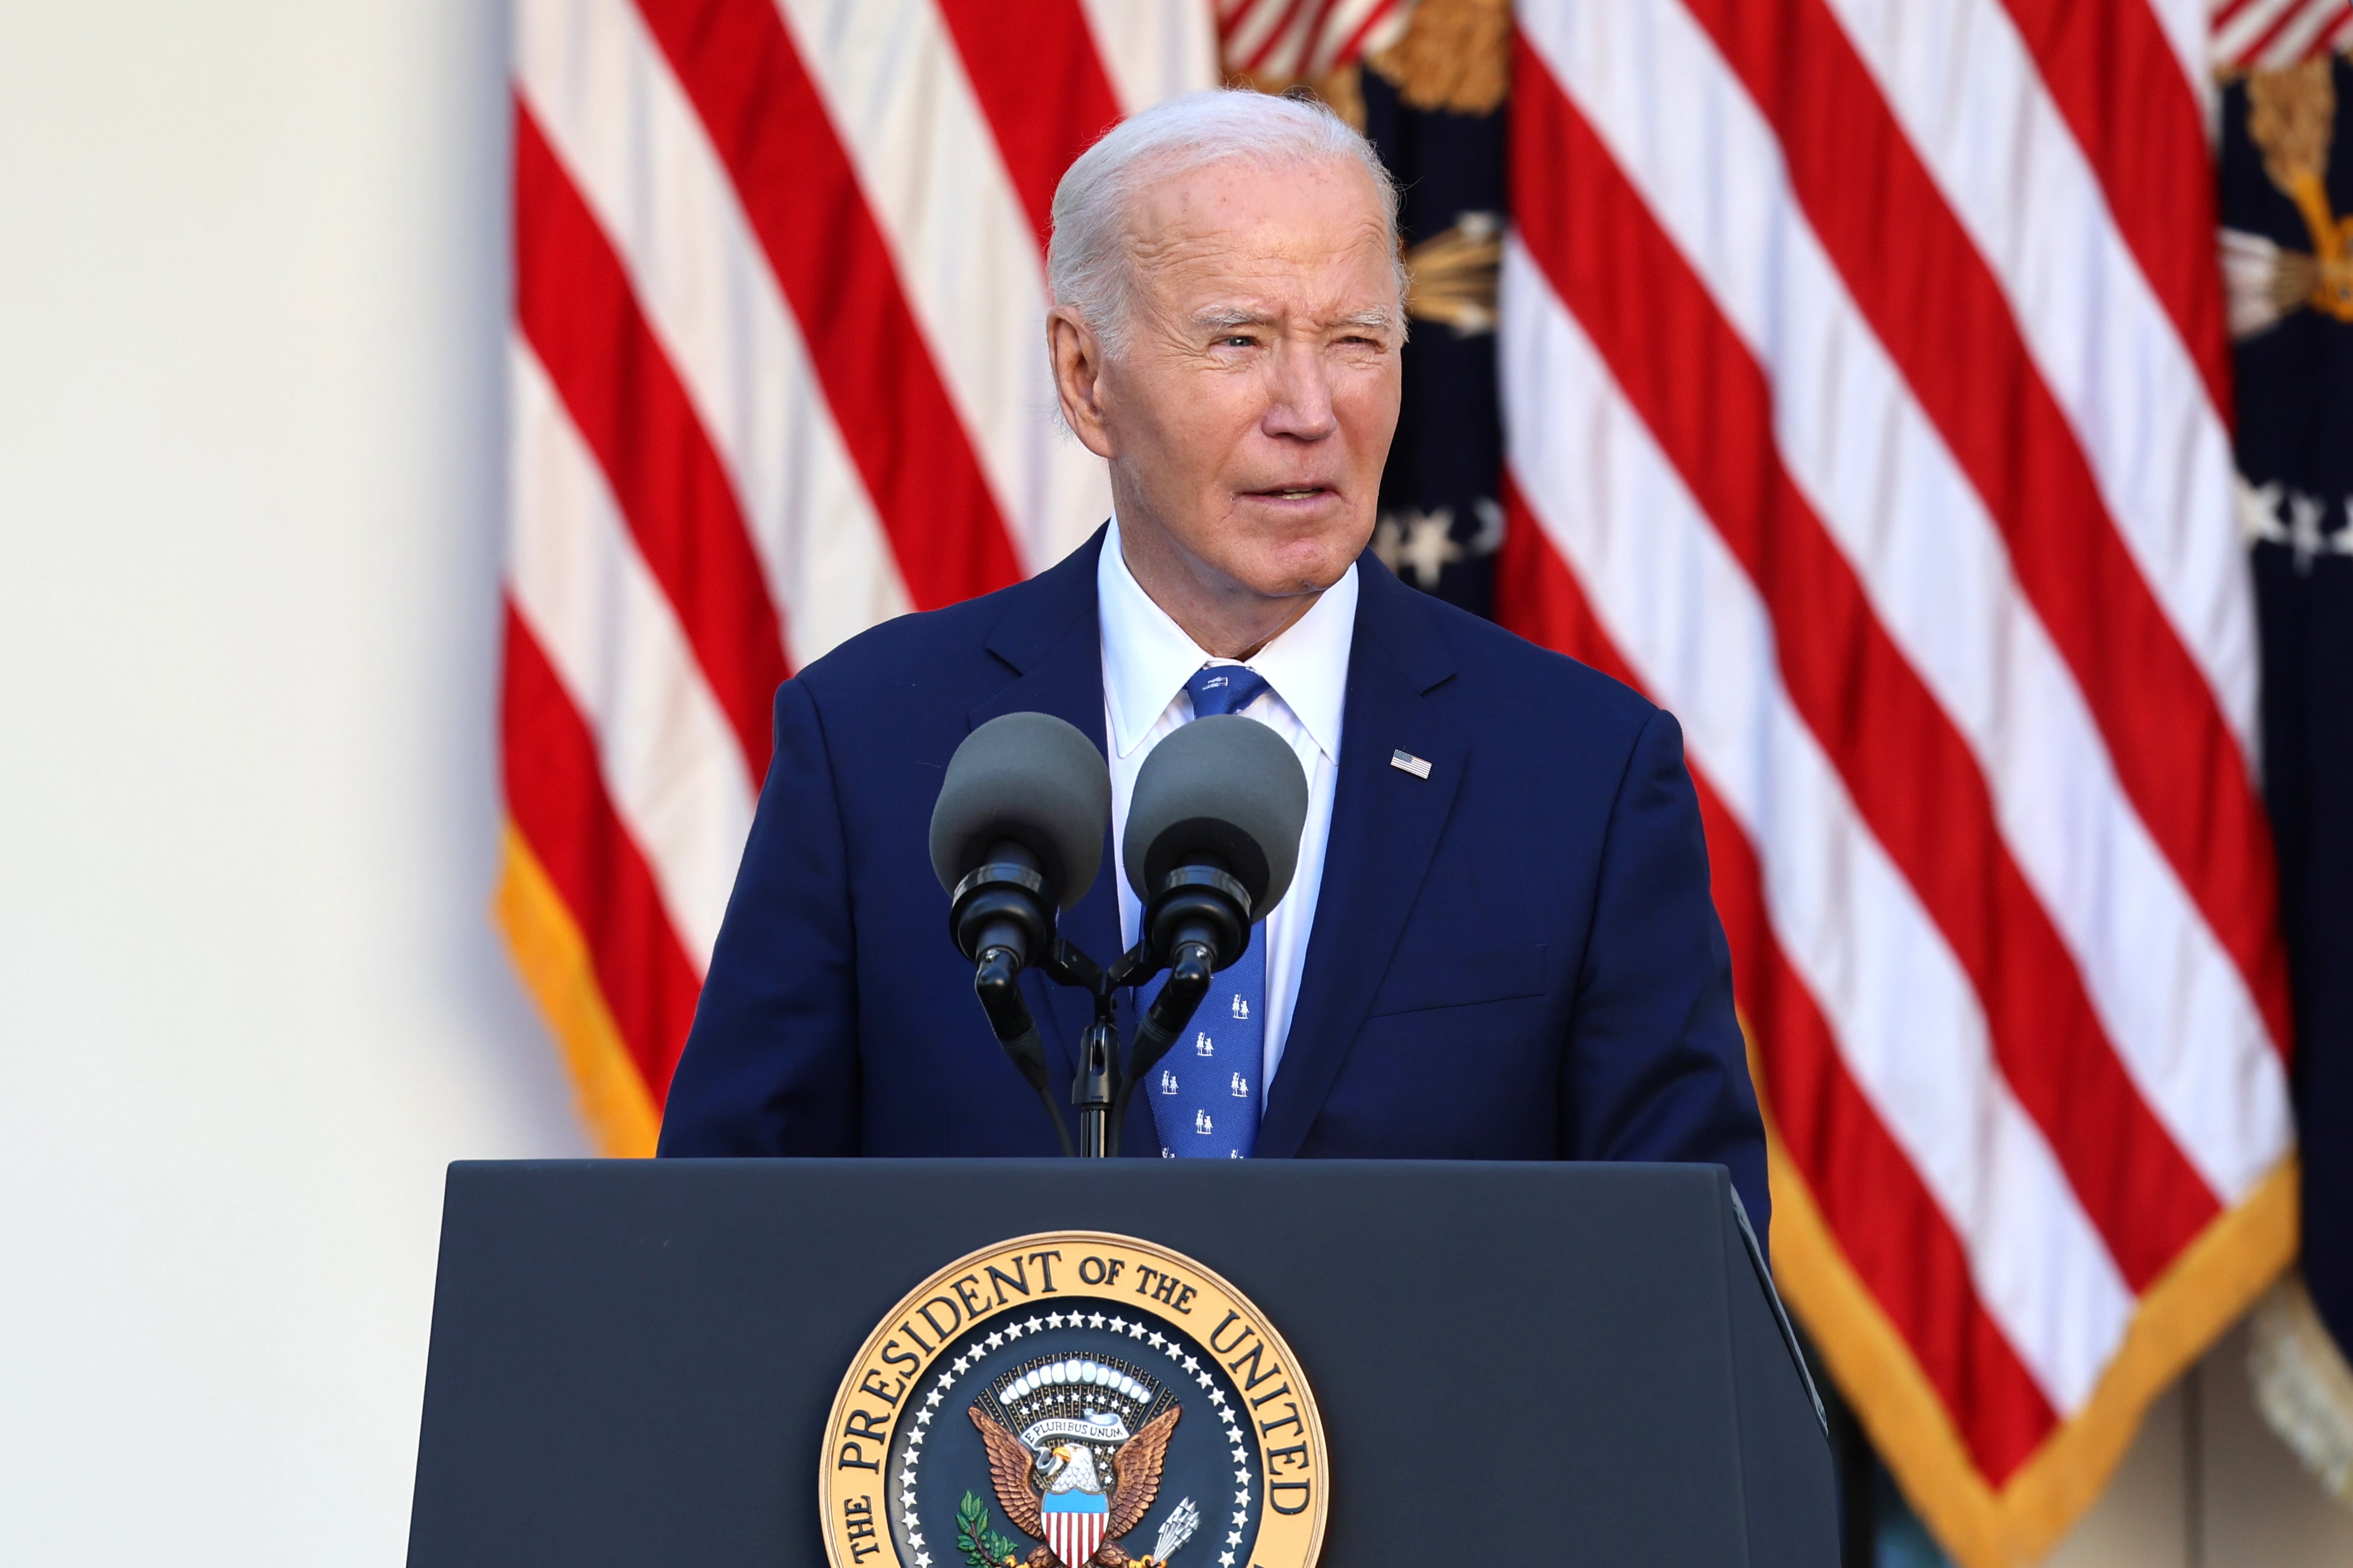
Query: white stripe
point(966, 255)
point(1934, 569)
point(1960, 80)
point(1905, 1020)
point(1153, 49)
point(631, 141)
point(670, 764)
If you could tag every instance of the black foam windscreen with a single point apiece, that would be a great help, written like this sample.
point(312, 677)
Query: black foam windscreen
point(1227, 786)
point(1029, 777)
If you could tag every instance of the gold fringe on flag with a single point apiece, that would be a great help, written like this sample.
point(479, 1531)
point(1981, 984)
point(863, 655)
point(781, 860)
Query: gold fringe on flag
point(2208, 1288)
point(553, 959)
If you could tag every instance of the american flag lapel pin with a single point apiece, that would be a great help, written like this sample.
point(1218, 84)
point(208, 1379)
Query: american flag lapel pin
point(1406, 761)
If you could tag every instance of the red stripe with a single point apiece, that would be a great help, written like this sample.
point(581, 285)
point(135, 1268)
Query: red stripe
point(574, 304)
point(1913, 778)
point(2121, 89)
point(1889, 1227)
point(557, 795)
point(1937, 308)
point(1032, 65)
point(739, 67)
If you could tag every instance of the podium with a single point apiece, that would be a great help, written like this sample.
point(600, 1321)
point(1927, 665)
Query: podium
point(635, 1363)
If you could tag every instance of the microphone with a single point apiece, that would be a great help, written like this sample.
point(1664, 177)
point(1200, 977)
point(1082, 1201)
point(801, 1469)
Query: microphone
point(1019, 832)
point(1212, 840)
point(1017, 836)
point(1213, 836)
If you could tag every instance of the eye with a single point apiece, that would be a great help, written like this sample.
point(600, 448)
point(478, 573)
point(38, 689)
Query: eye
point(1237, 340)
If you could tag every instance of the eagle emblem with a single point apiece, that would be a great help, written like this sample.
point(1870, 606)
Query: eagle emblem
point(1067, 1468)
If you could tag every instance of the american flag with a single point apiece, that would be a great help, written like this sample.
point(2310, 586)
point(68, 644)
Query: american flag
point(1866, 404)
point(1865, 389)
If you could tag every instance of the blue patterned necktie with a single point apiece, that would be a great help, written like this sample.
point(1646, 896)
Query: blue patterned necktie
point(1206, 1091)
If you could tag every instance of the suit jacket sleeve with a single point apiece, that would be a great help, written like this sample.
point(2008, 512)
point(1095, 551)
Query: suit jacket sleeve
point(1657, 1067)
point(771, 1066)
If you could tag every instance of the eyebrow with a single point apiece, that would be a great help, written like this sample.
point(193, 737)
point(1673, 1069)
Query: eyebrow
point(1226, 319)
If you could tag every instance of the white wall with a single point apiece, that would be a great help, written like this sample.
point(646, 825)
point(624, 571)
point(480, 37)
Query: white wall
point(252, 278)
point(252, 288)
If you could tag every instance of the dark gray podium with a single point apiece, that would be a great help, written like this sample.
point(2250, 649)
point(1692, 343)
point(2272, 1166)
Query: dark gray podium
point(1564, 1365)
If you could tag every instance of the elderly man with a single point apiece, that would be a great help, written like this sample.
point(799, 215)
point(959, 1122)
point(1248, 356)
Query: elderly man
point(1499, 943)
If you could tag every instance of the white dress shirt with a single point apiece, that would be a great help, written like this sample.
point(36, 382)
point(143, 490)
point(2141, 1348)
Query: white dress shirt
point(1148, 659)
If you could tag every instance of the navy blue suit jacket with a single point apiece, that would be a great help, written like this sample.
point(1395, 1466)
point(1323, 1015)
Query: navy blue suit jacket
point(1514, 958)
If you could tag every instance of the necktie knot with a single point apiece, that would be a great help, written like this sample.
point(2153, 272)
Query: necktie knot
point(1225, 689)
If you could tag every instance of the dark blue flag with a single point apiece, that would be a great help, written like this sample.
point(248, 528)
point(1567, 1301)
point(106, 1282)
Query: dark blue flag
point(2287, 215)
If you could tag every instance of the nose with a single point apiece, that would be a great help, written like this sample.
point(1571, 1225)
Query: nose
point(1300, 406)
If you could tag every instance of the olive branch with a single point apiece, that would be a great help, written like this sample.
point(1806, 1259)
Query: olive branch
point(982, 1546)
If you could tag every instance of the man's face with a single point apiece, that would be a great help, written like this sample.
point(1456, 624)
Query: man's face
point(1249, 410)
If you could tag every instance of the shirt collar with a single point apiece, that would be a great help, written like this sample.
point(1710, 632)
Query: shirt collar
point(1147, 657)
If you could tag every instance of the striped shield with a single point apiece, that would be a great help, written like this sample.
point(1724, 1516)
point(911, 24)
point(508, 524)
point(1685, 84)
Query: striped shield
point(1074, 1525)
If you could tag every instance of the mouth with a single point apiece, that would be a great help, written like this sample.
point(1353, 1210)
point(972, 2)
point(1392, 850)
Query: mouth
point(1291, 493)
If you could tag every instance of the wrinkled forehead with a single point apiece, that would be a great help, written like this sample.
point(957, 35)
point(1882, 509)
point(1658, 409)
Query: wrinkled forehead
point(1246, 236)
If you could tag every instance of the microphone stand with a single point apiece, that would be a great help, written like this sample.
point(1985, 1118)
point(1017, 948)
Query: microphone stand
point(1103, 1084)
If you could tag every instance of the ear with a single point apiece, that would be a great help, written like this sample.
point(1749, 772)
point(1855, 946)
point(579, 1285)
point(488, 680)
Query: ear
point(1077, 356)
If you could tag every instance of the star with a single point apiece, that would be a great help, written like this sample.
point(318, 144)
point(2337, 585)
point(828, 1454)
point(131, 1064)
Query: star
point(1136, 1331)
point(1216, 1396)
point(1096, 1322)
point(908, 1499)
point(1192, 1366)
point(996, 1341)
point(1053, 1320)
point(1234, 1538)
point(1225, 1560)
point(1205, 1381)
point(1242, 1497)
point(961, 1363)
point(1159, 1340)
point(908, 1519)
point(946, 1382)
point(916, 1438)
point(913, 1539)
point(923, 1560)
point(923, 1417)
point(1239, 1517)
point(1238, 1457)
point(1034, 1325)
point(1013, 1330)
point(2258, 510)
point(1420, 542)
point(1241, 1477)
point(934, 1399)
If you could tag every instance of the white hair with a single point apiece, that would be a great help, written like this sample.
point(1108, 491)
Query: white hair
point(1087, 260)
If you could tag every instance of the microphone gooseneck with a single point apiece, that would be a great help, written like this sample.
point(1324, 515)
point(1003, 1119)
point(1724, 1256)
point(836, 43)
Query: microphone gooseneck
point(1017, 837)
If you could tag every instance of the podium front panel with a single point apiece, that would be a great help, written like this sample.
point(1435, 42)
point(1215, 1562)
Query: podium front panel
point(633, 1363)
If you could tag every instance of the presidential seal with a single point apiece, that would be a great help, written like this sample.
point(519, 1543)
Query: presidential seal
point(1074, 1400)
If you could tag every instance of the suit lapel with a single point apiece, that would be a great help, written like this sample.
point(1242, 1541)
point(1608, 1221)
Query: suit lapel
point(1385, 824)
point(1049, 637)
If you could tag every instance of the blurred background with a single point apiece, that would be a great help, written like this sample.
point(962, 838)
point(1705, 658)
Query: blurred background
point(428, 430)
